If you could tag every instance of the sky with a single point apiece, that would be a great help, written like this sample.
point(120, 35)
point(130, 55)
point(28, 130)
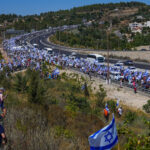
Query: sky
point(28, 7)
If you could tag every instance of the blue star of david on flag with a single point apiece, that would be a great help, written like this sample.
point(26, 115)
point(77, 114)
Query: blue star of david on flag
point(108, 137)
point(105, 138)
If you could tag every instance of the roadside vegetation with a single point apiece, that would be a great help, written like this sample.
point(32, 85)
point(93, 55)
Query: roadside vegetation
point(93, 37)
point(60, 114)
point(96, 37)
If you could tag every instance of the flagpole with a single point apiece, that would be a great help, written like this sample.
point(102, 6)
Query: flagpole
point(118, 146)
point(118, 138)
point(107, 59)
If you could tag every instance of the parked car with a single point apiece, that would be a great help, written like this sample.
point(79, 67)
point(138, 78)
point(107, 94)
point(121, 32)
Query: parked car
point(129, 63)
point(143, 49)
point(74, 54)
point(120, 62)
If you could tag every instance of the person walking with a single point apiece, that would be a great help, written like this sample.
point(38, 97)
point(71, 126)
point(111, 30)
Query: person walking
point(3, 139)
point(2, 113)
point(119, 111)
point(106, 113)
point(120, 83)
point(134, 86)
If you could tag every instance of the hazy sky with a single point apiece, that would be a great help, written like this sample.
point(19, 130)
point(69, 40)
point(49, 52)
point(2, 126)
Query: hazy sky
point(25, 7)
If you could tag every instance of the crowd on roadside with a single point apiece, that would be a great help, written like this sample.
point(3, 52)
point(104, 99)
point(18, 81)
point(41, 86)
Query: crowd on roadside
point(25, 56)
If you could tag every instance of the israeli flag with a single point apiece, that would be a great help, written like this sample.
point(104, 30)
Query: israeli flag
point(145, 73)
point(83, 87)
point(105, 138)
point(117, 104)
point(56, 71)
point(148, 79)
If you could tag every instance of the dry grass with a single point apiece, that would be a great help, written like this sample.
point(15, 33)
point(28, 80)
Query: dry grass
point(125, 95)
point(53, 127)
point(126, 12)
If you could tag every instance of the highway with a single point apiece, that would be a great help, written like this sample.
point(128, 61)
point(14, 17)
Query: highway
point(42, 42)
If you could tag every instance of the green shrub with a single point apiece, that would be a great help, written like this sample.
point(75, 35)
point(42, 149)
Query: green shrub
point(138, 142)
point(5, 78)
point(60, 131)
point(112, 105)
point(75, 103)
point(64, 75)
point(146, 107)
point(100, 96)
point(36, 92)
point(86, 92)
point(20, 83)
point(130, 116)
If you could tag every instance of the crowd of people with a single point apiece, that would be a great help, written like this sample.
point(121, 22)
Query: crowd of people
point(24, 56)
point(118, 109)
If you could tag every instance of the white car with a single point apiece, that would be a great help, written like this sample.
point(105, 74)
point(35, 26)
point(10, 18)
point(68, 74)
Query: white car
point(132, 69)
point(116, 75)
point(74, 54)
point(70, 64)
point(118, 65)
point(120, 62)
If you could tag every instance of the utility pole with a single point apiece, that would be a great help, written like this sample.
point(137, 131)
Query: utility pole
point(108, 58)
point(59, 37)
point(108, 67)
point(5, 22)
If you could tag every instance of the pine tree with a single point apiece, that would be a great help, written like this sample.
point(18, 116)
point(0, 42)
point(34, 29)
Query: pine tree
point(36, 91)
point(86, 92)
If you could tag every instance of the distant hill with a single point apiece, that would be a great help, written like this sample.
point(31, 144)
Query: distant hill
point(76, 15)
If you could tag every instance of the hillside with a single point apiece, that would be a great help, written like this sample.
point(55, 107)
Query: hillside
point(57, 114)
point(68, 17)
point(112, 17)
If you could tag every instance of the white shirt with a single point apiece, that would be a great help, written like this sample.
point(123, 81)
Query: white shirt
point(120, 111)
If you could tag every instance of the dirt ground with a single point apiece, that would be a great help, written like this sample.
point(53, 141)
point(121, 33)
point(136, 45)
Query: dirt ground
point(125, 95)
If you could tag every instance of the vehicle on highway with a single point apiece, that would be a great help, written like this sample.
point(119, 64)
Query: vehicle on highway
point(35, 45)
point(74, 54)
point(114, 75)
point(118, 65)
point(95, 59)
point(49, 50)
point(129, 63)
point(132, 69)
point(143, 49)
point(120, 62)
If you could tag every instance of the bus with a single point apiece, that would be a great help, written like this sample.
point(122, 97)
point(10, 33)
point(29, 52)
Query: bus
point(95, 58)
